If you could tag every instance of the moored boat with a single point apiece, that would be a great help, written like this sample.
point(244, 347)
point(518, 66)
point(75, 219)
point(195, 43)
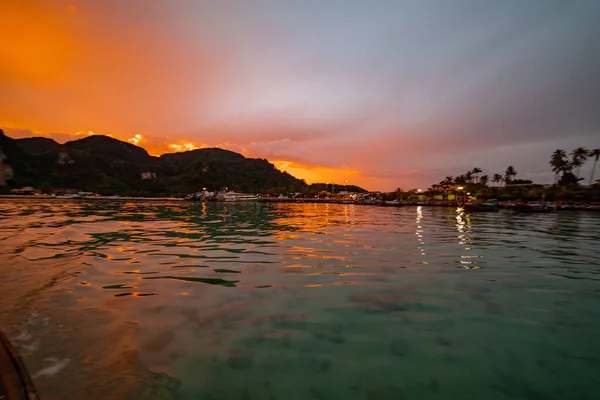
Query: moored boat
point(233, 196)
point(391, 203)
point(480, 207)
point(563, 207)
point(535, 208)
point(507, 204)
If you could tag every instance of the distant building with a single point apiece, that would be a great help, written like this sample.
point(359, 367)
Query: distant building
point(64, 159)
point(148, 175)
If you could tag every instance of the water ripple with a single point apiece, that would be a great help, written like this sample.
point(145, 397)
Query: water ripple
point(347, 297)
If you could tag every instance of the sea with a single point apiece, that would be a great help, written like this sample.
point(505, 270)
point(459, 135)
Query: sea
point(176, 300)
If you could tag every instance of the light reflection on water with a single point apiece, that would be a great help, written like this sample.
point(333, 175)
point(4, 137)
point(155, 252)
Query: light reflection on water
point(300, 301)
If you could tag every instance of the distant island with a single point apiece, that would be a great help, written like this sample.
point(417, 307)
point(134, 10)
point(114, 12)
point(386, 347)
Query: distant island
point(107, 166)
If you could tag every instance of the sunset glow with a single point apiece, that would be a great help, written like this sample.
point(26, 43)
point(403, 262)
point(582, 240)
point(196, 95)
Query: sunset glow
point(136, 139)
point(183, 147)
point(398, 95)
point(315, 173)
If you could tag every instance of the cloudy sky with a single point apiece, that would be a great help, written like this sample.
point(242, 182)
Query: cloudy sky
point(382, 93)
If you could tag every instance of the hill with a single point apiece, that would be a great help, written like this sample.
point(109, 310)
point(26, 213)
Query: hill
point(109, 166)
point(107, 148)
point(38, 145)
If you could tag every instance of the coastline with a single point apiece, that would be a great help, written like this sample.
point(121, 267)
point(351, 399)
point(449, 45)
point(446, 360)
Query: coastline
point(434, 203)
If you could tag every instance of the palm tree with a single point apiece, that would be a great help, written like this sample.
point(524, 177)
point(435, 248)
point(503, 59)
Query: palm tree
point(509, 174)
point(483, 181)
point(476, 171)
point(558, 162)
point(566, 168)
point(578, 157)
point(469, 176)
point(399, 193)
point(497, 178)
point(449, 180)
point(595, 154)
point(460, 180)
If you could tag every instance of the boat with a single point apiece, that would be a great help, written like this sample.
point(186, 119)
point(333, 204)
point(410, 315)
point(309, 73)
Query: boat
point(68, 196)
point(15, 382)
point(481, 207)
point(564, 207)
point(193, 197)
point(507, 204)
point(391, 203)
point(535, 208)
point(235, 197)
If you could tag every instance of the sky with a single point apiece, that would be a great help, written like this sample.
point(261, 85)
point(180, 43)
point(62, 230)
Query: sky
point(384, 94)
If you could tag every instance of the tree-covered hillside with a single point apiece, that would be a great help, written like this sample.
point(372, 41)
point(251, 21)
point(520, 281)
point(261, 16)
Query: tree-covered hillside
point(109, 166)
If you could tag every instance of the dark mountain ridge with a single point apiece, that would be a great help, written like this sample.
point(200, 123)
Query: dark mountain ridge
point(107, 147)
point(38, 145)
point(109, 166)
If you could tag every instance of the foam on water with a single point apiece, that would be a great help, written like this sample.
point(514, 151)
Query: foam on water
point(55, 365)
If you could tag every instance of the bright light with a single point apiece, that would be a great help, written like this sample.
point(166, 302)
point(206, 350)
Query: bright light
point(460, 188)
point(419, 190)
point(136, 139)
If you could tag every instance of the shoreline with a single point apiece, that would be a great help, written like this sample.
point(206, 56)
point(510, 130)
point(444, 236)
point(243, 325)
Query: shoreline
point(118, 198)
point(438, 203)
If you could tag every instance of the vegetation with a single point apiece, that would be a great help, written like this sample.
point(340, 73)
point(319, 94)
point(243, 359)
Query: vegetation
point(563, 167)
point(566, 183)
point(108, 166)
point(593, 154)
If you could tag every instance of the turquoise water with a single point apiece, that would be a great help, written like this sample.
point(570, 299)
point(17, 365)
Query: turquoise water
point(147, 300)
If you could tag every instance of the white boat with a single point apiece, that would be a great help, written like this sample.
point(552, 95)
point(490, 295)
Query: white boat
point(233, 196)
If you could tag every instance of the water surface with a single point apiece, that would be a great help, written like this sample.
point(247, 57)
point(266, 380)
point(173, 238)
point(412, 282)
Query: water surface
point(114, 300)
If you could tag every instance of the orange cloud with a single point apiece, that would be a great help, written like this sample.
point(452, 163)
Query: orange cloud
point(318, 174)
point(183, 147)
point(136, 139)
